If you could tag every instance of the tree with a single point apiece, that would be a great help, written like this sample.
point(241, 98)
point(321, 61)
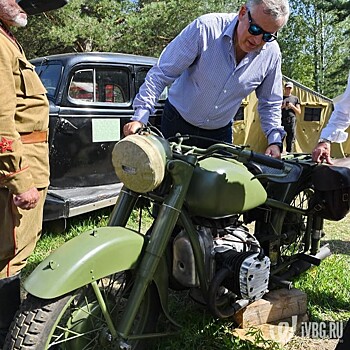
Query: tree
point(82, 25)
point(313, 46)
point(143, 27)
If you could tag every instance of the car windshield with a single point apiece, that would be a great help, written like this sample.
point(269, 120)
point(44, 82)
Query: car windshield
point(50, 75)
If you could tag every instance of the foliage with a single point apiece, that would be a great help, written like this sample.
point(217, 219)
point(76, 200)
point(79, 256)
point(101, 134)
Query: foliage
point(315, 47)
point(314, 43)
point(143, 28)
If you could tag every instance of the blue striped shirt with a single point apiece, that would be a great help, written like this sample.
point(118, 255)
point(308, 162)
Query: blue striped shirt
point(207, 85)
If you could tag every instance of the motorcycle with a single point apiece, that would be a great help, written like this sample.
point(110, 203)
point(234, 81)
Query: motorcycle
point(228, 225)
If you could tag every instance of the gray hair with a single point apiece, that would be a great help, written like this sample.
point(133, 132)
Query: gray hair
point(275, 8)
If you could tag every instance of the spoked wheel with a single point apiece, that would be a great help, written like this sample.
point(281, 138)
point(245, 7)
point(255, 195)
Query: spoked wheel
point(295, 225)
point(75, 321)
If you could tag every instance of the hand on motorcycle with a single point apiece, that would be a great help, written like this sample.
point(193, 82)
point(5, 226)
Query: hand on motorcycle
point(322, 152)
point(132, 127)
point(273, 151)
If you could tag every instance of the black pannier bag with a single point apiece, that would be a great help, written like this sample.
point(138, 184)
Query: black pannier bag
point(332, 189)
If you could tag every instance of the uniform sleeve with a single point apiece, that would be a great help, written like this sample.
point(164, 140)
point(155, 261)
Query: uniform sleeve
point(14, 170)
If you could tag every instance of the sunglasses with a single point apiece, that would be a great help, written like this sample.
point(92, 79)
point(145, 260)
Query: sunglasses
point(254, 29)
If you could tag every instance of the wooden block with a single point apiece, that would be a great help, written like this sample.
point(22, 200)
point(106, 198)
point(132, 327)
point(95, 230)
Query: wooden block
point(280, 333)
point(276, 305)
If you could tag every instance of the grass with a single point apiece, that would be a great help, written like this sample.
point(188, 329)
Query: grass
point(327, 287)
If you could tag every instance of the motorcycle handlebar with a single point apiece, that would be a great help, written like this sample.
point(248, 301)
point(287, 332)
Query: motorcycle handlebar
point(240, 152)
point(267, 160)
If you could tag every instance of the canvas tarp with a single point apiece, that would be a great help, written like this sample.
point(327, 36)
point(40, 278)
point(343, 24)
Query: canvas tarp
point(315, 112)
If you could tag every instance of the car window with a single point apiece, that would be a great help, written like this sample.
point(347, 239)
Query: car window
point(50, 75)
point(140, 78)
point(100, 85)
point(81, 86)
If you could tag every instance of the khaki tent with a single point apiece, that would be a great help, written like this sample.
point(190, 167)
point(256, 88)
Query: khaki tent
point(315, 112)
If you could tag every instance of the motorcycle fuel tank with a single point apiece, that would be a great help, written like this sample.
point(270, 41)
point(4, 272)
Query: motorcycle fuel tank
point(223, 187)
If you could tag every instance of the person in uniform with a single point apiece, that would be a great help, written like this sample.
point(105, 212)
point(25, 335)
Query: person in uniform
point(24, 160)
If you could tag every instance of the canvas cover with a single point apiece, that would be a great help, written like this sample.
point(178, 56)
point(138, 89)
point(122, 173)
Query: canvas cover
point(249, 132)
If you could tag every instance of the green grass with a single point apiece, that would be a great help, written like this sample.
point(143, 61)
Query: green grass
point(327, 288)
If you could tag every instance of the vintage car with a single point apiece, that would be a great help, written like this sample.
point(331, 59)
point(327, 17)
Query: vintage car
point(90, 97)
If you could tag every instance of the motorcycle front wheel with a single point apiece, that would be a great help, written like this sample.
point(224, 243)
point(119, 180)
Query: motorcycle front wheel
point(75, 321)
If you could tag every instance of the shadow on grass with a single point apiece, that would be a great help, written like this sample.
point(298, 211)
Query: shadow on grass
point(338, 246)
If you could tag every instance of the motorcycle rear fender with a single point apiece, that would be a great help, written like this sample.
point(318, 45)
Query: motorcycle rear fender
point(88, 257)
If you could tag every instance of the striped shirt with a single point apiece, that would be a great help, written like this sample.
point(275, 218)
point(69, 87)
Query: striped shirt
point(207, 85)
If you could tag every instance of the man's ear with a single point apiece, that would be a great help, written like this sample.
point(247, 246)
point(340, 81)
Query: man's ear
point(242, 12)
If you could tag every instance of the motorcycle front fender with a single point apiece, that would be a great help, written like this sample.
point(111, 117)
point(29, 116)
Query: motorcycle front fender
point(86, 258)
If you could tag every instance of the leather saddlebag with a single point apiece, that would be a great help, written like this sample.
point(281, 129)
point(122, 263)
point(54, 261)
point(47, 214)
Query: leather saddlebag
point(332, 189)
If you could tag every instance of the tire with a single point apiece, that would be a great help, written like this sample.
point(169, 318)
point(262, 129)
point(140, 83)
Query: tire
point(295, 224)
point(75, 321)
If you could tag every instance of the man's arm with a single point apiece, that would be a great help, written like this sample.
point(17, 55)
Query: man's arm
point(270, 99)
point(179, 54)
point(335, 128)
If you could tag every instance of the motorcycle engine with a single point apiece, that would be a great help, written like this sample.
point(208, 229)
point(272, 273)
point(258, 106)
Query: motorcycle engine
point(230, 248)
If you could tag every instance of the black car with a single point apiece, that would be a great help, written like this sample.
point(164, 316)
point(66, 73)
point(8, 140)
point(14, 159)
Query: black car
point(90, 97)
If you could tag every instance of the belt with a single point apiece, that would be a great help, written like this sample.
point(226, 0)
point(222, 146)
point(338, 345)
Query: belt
point(34, 137)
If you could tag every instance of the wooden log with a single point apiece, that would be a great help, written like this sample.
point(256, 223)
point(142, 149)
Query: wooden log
point(276, 305)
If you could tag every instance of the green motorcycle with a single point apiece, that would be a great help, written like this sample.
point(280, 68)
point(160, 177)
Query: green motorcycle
point(228, 225)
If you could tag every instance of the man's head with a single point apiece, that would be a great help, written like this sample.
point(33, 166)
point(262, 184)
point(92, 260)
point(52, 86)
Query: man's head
point(259, 22)
point(288, 87)
point(12, 14)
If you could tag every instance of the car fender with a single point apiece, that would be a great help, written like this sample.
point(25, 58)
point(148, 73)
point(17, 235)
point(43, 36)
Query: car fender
point(86, 258)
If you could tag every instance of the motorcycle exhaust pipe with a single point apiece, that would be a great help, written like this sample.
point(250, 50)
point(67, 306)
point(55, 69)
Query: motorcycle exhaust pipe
point(301, 266)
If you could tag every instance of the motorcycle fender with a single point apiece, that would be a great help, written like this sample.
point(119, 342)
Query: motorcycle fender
point(86, 258)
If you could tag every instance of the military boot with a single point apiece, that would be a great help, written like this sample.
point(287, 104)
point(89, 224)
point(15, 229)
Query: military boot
point(10, 299)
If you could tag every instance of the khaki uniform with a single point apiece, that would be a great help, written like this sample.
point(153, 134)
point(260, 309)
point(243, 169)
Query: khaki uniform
point(23, 110)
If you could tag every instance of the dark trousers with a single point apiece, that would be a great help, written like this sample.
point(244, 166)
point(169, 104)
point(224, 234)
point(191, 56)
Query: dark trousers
point(344, 342)
point(289, 127)
point(172, 123)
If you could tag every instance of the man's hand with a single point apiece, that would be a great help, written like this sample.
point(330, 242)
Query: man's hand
point(132, 127)
point(322, 152)
point(273, 151)
point(27, 200)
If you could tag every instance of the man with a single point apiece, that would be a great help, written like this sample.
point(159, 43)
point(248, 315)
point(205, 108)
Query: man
point(214, 63)
point(290, 107)
point(335, 128)
point(24, 162)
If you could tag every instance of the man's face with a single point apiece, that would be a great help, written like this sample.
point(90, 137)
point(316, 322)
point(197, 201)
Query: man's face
point(248, 42)
point(287, 90)
point(12, 14)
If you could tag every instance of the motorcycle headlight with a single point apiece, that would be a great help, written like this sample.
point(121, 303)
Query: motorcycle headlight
point(139, 162)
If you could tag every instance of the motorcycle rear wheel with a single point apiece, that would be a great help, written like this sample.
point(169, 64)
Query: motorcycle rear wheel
point(75, 321)
point(294, 225)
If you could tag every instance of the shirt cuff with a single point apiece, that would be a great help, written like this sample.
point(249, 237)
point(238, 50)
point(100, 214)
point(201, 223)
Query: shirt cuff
point(20, 182)
point(141, 115)
point(275, 136)
point(338, 136)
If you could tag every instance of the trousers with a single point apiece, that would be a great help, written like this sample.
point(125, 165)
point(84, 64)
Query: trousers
point(172, 123)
